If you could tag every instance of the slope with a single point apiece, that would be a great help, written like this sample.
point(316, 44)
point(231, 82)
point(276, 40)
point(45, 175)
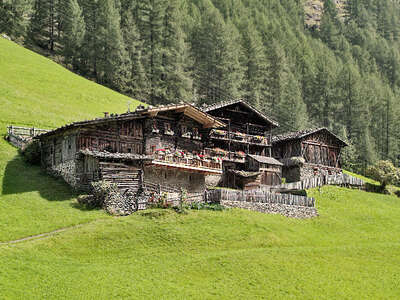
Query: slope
point(35, 91)
point(350, 252)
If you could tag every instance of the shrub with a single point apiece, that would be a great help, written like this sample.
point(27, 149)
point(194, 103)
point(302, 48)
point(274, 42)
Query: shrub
point(31, 152)
point(384, 172)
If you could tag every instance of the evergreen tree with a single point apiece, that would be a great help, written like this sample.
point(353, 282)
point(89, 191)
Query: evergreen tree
point(137, 85)
point(13, 19)
point(44, 23)
point(217, 71)
point(74, 33)
point(255, 65)
point(176, 82)
point(112, 59)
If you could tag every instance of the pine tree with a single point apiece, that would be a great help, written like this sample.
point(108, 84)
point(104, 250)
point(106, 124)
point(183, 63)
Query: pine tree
point(218, 73)
point(44, 23)
point(74, 33)
point(137, 85)
point(150, 23)
point(176, 82)
point(13, 19)
point(112, 59)
point(255, 65)
point(91, 42)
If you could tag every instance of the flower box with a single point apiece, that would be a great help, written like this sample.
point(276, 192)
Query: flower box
point(169, 132)
point(197, 137)
point(187, 135)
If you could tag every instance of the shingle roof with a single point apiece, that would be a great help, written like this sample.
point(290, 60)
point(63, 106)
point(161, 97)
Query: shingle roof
point(303, 133)
point(142, 112)
point(232, 102)
point(266, 160)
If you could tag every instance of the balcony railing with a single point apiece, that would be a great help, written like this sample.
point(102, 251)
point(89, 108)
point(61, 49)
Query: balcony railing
point(225, 155)
point(189, 160)
point(239, 137)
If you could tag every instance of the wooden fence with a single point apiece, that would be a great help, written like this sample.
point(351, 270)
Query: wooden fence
point(309, 183)
point(259, 196)
point(25, 131)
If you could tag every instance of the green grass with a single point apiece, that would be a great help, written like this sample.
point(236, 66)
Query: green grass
point(34, 91)
point(351, 251)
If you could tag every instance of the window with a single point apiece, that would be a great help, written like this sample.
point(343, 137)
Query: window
point(129, 150)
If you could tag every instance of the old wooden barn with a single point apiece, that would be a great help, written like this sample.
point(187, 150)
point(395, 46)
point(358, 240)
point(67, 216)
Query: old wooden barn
point(308, 153)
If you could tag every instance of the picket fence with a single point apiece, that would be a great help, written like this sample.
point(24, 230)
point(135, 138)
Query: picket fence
point(309, 183)
point(259, 196)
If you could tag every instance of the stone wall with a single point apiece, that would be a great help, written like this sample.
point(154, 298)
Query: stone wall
point(295, 173)
point(292, 211)
point(192, 182)
point(67, 171)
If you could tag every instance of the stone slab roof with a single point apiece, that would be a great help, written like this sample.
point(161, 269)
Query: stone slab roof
point(303, 133)
point(245, 173)
point(222, 104)
point(142, 112)
point(266, 160)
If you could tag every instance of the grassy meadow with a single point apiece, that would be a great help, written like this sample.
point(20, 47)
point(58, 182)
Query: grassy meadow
point(34, 91)
point(351, 251)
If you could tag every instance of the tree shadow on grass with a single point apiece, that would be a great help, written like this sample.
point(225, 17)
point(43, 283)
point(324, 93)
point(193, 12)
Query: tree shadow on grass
point(21, 177)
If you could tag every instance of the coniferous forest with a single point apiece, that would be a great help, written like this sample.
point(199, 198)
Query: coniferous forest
point(343, 74)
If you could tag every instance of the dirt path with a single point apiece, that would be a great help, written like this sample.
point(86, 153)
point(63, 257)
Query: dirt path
point(43, 235)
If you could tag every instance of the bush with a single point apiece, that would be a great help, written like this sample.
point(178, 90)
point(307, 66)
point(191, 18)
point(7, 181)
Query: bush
point(31, 152)
point(384, 172)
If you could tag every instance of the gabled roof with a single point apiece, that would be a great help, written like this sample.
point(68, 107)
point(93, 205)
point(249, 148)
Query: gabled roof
point(219, 105)
point(191, 111)
point(303, 133)
point(141, 112)
point(265, 160)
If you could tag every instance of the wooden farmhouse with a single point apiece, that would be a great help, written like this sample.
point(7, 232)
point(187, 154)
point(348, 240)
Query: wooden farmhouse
point(162, 145)
point(178, 145)
point(308, 153)
point(244, 145)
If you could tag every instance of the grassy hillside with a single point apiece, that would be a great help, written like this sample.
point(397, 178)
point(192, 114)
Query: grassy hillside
point(350, 252)
point(35, 91)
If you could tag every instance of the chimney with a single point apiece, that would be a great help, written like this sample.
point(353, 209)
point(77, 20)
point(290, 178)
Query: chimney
point(106, 114)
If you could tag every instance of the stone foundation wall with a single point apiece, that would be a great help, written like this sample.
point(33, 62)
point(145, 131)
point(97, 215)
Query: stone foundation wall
point(300, 212)
point(67, 171)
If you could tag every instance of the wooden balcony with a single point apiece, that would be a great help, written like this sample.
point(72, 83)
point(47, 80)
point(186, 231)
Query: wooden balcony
point(190, 162)
point(225, 155)
point(238, 137)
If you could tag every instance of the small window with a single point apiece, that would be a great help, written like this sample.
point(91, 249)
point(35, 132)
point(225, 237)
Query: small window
point(165, 174)
point(129, 150)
